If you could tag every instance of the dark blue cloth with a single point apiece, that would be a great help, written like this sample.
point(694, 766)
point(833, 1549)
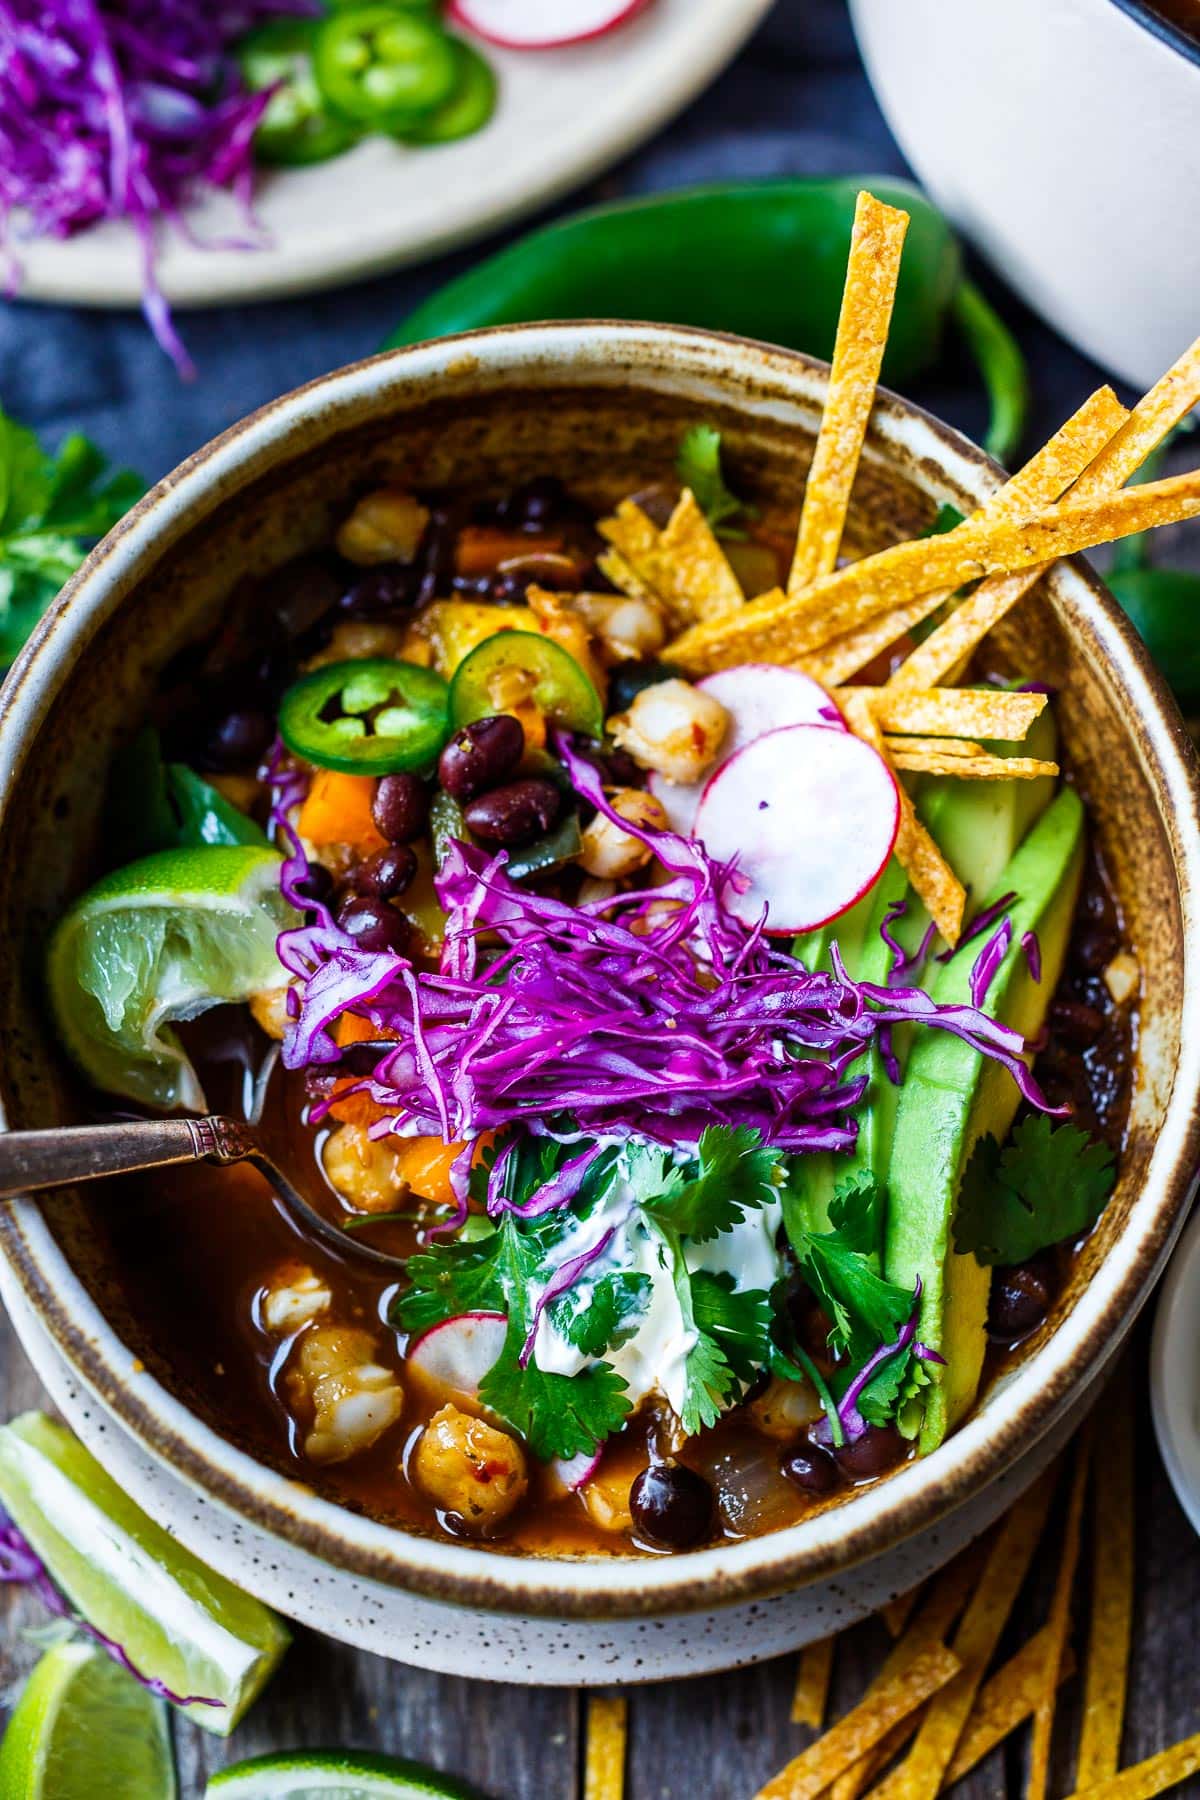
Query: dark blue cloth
point(795, 102)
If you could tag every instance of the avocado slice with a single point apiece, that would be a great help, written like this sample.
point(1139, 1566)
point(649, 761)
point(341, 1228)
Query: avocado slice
point(952, 1096)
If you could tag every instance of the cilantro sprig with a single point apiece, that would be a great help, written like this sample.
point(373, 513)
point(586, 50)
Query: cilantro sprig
point(698, 465)
point(1045, 1185)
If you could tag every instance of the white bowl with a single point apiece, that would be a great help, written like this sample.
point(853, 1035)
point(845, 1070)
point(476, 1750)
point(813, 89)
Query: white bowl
point(1063, 138)
point(1175, 1372)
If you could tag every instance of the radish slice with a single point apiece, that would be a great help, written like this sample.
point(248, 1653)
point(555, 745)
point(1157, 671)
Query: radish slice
point(759, 697)
point(811, 816)
point(543, 24)
point(458, 1353)
point(567, 1474)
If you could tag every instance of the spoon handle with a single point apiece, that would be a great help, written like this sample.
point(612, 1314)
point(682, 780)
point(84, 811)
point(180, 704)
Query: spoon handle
point(49, 1159)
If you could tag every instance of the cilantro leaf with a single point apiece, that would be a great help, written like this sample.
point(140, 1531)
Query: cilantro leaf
point(603, 1316)
point(1045, 1185)
point(734, 1175)
point(698, 466)
point(557, 1415)
point(739, 1323)
point(841, 1266)
point(451, 1278)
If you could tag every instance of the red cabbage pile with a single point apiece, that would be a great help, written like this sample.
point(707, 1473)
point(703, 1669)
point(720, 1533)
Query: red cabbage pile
point(653, 1013)
point(124, 109)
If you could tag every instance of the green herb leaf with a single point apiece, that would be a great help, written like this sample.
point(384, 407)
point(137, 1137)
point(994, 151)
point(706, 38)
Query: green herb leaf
point(841, 1266)
point(738, 1322)
point(458, 1276)
point(735, 1174)
point(557, 1415)
point(604, 1315)
point(1045, 1185)
point(152, 805)
point(698, 466)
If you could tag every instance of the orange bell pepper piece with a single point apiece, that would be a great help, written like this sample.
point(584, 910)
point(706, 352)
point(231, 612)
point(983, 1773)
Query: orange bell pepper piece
point(481, 549)
point(337, 810)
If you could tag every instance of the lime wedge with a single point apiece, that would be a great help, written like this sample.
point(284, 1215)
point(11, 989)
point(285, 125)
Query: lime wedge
point(158, 940)
point(176, 1620)
point(348, 1774)
point(84, 1730)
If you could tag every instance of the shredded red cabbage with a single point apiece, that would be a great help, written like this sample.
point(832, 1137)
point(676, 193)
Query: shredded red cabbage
point(1033, 954)
point(652, 1013)
point(980, 923)
point(21, 1564)
point(987, 964)
point(125, 109)
point(902, 962)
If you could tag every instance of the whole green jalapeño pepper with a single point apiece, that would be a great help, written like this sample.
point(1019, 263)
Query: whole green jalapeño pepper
point(763, 259)
point(372, 717)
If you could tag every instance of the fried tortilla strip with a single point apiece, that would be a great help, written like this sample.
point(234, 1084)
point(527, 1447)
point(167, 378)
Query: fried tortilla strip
point(1146, 1779)
point(921, 1773)
point(777, 629)
point(1043, 479)
point(607, 1732)
point(872, 272)
point(1059, 1622)
point(1107, 1669)
point(1169, 401)
point(934, 756)
point(954, 712)
point(811, 1696)
point(933, 880)
point(808, 1774)
point(620, 572)
point(898, 1612)
point(683, 566)
point(947, 1597)
point(1005, 1702)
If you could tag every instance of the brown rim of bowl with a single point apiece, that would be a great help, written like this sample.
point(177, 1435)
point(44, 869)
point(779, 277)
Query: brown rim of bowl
point(918, 1494)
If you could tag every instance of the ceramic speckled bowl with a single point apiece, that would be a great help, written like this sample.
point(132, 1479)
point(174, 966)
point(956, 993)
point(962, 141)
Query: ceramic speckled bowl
point(603, 405)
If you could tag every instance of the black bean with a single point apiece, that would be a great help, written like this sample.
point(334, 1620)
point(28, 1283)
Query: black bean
point(514, 815)
point(386, 874)
point(1021, 1297)
point(373, 924)
point(628, 679)
point(481, 755)
point(878, 1448)
point(1073, 1023)
point(533, 505)
point(382, 591)
point(811, 1469)
point(317, 885)
point(672, 1506)
point(1094, 947)
point(238, 740)
point(400, 808)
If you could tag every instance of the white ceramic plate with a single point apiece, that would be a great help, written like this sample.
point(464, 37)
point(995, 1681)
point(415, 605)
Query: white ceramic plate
point(563, 116)
point(1175, 1372)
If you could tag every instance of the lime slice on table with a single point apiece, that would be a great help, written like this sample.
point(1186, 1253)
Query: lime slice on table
point(84, 1730)
point(159, 940)
point(176, 1620)
point(346, 1774)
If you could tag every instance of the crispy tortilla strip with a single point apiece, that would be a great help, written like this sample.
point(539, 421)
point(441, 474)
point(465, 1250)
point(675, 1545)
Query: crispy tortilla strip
point(1004, 1703)
point(933, 756)
point(872, 271)
point(947, 1597)
point(607, 1731)
point(954, 712)
point(1154, 1776)
point(920, 1775)
point(844, 656)
point(620, 572)
point(808, 1774)
point(777, 629)
point(811, 1696)
point(933, 880)
point(683, 566)
point(1170, 399)
point(1059, 1622)
point(1106, 1678)
point(898, 1612)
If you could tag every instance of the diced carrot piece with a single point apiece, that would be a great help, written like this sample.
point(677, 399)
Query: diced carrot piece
point(425, 1164)
point(356, 1108)
point(482, 548)
point(352, 1028)
point(337, 810)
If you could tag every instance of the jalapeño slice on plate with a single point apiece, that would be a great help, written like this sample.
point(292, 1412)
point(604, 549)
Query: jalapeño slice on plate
point(561, 689)
point(469, 107)
point(383, 66)
point(297, 126)
point(373, 717)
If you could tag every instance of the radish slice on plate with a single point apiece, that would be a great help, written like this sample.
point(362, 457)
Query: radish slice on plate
point(567, 1474)
point(759, 697)
point(543, 24)
point(459, 1352)
point(811, 816)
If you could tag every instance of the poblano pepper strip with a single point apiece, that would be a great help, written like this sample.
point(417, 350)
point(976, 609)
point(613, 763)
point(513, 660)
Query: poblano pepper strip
point(763, 259)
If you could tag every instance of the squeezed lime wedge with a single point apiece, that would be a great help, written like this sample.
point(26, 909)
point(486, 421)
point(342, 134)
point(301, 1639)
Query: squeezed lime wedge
point(177, 1620)
point(84, 1730)
point(159, 940)
point(346, 1774)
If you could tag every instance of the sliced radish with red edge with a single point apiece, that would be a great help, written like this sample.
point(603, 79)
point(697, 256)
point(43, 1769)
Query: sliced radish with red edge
point(543, 24)
point(759, 697)
point(459, 1352)
point(567, 1474)
point(811, 816)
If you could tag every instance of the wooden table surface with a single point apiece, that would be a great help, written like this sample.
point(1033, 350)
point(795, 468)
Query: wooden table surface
point(716, 1738)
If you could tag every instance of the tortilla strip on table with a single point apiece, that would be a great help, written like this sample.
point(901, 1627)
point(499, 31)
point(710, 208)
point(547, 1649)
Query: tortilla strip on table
point(1059, 1622)
point(607, 1731)
point(1004, 1702)
point(1170, 399)
point(776, 628)
point(1110, 1626)
point(872, 272)
point(811, 1696)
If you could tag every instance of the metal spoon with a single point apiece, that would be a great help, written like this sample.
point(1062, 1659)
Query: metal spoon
point(30, 1160)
